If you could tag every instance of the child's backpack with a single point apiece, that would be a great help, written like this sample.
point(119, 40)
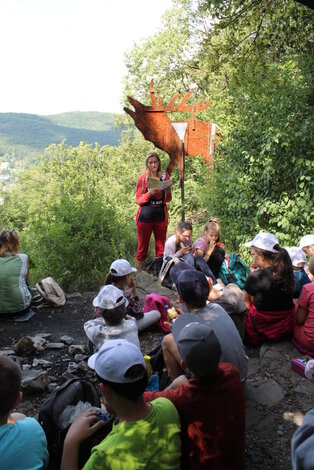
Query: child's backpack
point(164, 274)
point(234, 270)
point(162, 303)
point(154, 266)
point(70, 393)
point(51, 291)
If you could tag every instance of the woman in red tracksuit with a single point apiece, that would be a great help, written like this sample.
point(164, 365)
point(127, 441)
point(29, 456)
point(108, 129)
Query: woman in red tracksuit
point(152, 215)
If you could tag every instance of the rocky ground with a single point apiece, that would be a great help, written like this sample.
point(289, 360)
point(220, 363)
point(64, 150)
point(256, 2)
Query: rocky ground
point(276, 397)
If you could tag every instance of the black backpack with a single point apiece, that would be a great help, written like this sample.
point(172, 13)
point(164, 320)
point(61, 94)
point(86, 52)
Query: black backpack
point(70, 393)
point(154, 266)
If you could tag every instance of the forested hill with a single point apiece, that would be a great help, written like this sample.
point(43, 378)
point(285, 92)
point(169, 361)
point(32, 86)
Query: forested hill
point(23, 135)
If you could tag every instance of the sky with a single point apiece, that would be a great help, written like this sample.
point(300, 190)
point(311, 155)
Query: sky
point(68, 55)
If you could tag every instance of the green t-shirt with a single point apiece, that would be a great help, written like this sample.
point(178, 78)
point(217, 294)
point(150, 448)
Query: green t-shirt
point(14, 293)
point(153, 442)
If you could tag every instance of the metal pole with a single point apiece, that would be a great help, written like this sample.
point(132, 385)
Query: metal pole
point(182, 183)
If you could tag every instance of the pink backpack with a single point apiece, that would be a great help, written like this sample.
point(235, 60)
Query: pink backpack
point(158, 302)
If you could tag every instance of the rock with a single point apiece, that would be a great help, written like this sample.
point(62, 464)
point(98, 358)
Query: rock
point(26, 367)
point(267, 352)
point(79, 357)
point(65, 359)
point(74, 295)
point(144, 280)
point(24, 346)
point(279, 349)
point(52, 386)
point(67, 376)
point(7, 352)
point(83, 366)
point(66, 339)
point(77, 349)
point(41, 362)
point(44, 335)
point(40, 340)
point(55, 346)
point(265, 392)
point(253, 367)
point(253, 415)
point(34, 382)
point(72, 367)
point(305, 387)
point(26, 407)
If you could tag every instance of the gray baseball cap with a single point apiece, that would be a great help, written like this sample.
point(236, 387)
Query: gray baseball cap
point(198, 345)
point(109, 297)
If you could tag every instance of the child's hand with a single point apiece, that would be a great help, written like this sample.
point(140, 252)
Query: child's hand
point(184, 250)
point(211, 244)
point(132, 287)
point(83, 426)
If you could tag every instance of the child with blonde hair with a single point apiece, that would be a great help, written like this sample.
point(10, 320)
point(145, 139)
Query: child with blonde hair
point(210, 247)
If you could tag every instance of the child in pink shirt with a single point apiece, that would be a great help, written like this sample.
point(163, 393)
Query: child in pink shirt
point(303, 333)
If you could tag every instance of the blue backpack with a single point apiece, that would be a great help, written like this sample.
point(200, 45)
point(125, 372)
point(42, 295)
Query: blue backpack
point(236, 272)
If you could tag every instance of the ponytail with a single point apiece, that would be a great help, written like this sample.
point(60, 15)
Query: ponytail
point(111, 279)
point(9, 242)
point(281, 267)
point(283, 270)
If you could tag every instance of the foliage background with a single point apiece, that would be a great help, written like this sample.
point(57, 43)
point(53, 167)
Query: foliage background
point(75, 211)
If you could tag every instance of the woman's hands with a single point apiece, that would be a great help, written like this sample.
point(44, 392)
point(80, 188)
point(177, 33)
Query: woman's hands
point(153, 191)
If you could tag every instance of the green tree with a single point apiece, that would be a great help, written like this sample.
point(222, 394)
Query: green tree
point(254, 60)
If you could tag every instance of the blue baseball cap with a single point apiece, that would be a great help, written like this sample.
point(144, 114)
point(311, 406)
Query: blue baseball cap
point(190, 283)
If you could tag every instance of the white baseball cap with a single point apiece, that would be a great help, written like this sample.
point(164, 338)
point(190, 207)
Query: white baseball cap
point(307, 240)
point(264, 241)
point(296, 254)
point(109, 297)
point(114, 358)
point(121, 267)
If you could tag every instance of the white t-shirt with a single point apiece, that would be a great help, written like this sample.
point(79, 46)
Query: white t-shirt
point(170, 246)
point(98, 332)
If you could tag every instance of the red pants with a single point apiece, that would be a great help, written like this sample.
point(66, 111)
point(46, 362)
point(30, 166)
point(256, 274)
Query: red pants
point(144, 231)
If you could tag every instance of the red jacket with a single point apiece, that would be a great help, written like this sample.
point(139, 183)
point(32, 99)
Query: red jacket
point(143, 197)
point(212, 418)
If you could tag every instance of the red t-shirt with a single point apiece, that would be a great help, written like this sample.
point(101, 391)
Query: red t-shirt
point(212, 418)
point(306, 301)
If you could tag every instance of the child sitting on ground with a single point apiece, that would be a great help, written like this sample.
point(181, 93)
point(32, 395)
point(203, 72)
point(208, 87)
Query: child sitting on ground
point(268, 292)
point(110, 305)
point(303, 334)
point(212, 423)
point(144, 436)
point(298, 258)
point(121, 276)
point(210, 247)
point(179, 245)
point(307, 245)
point(22, 440)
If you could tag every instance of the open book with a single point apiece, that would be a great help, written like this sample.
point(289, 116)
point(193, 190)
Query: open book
point(157, 184)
